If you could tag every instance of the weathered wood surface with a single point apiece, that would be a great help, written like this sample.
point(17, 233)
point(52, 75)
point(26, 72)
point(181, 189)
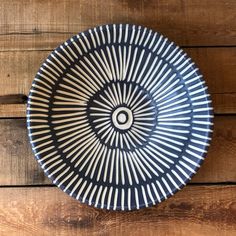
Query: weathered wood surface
point(29, 30)
point(12, 110)
point(43, 24)
point(18, 166)
point(196, 210)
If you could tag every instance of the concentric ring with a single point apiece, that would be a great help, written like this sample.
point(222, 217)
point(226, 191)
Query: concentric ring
point(122, 118)
point(119, 117)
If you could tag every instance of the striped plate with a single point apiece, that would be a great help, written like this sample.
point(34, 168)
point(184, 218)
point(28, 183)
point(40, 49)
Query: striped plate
point(119, 117)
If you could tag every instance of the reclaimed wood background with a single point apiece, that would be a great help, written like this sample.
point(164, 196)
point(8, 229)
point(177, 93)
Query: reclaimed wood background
point(29, 203)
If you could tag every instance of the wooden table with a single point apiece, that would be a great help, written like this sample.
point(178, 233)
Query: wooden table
point(29, 203)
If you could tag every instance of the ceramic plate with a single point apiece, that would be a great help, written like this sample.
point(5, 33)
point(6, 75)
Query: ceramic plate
point(119, 117)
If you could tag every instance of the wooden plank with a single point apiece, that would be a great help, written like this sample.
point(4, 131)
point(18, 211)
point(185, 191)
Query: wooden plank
point(196, 210)
point(18, 166)
point(220, 160)
point(12, 110)
point(224, 103)
point(17, 70)
point(13, 105)
point(218, 66)
point(43, 25)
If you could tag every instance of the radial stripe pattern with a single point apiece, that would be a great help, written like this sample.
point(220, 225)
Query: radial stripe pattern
point(119, 117)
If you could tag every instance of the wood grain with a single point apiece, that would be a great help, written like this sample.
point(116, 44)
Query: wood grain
point(220, 160)
point(12, 110)
point(44, 24)
point(196, 210)
point(29, 30)
point(18, 166)
point(224, 103)
point(218, 66)
point(17, 70)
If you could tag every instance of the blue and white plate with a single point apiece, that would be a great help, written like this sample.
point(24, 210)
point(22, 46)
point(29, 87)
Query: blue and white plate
point(119, 117)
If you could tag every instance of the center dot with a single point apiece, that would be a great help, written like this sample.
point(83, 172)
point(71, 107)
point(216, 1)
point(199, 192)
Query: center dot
point(121, 118)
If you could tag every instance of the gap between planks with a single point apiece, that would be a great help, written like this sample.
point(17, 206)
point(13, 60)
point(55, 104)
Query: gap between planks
point(192, 184)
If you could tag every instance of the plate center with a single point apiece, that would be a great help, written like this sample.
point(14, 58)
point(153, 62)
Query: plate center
point(122, 118)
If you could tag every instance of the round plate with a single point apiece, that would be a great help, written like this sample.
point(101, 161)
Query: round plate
point(119, 117)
